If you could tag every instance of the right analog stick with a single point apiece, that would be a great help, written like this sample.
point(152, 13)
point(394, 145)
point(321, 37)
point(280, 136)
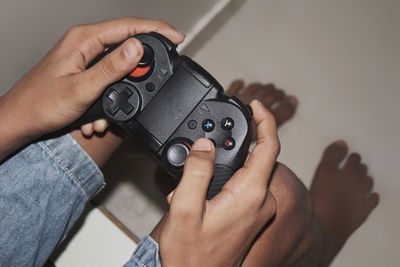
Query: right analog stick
point(177, 154)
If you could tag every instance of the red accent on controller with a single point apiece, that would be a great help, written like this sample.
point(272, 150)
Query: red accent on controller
point(140, 72)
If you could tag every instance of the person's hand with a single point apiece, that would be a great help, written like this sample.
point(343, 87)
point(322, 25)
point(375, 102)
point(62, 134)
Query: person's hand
point(219, 232)
point(59, 89)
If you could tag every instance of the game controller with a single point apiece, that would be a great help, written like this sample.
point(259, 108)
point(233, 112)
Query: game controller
point(168, 101)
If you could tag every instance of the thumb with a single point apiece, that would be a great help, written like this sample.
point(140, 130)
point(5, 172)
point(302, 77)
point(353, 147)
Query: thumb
point(190, 194)
point(110, 69)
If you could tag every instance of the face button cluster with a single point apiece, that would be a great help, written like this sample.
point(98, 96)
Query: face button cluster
point(208, 125)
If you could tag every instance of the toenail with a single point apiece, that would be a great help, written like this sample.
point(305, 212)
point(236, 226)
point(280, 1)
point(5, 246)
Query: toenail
point(341, 143)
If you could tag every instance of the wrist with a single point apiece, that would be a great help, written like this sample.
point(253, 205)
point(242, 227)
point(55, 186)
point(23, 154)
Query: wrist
point(15, 130)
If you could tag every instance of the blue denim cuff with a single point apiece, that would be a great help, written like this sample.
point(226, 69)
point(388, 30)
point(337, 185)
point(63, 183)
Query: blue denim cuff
point(146, 254)
point(76, 163)
point(44, 189)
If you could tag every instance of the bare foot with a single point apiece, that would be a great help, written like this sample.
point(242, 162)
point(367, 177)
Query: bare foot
point(282, 106)
point(342, 197)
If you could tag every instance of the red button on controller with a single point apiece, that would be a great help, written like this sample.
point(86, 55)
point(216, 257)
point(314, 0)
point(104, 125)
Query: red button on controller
point(140, 72)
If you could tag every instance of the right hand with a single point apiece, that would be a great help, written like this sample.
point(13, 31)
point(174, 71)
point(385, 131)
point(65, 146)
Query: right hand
point(219, 232)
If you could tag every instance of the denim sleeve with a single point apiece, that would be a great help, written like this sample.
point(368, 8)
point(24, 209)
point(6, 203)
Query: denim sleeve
point(43, 190)
point(146, 254)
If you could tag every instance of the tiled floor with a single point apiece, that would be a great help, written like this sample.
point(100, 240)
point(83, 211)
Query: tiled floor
point(342, 59)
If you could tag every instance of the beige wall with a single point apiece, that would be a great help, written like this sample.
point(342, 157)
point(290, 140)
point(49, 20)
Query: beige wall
point(28, 28)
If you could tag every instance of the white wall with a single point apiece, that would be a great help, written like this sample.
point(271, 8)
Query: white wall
point(29, 28)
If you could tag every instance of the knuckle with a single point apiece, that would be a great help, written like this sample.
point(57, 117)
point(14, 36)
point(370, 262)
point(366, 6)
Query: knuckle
point(198, 165)
point(199, 156)
point(76, 30)
point(199, 169)
point(129, 20)
point(259, 196)
point(77, 89)
point(181, 212)
point(272, 118)
point(159, 24)
point(270, 205)
point(276, 145)
point(107, 68)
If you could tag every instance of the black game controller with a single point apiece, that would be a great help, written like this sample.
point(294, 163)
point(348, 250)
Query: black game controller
point(168, 102)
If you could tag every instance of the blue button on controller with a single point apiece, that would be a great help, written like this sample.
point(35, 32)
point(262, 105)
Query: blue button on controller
point(208, 125)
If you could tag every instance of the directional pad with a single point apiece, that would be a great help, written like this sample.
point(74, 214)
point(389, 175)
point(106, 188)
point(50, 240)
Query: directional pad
point(120, 101)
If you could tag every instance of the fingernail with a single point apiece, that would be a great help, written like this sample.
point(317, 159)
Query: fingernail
point(100, 125)
point(202, 144)
point(182, 36)
point(255, 102)
point(131, 50)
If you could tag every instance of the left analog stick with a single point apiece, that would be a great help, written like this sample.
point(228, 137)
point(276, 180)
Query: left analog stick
point(148, 56)
point(144, 66)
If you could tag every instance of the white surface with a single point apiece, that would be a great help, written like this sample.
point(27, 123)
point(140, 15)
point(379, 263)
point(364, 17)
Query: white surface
point(342, 59)
point(28, 29)
point(203, 22)
point(98, 243)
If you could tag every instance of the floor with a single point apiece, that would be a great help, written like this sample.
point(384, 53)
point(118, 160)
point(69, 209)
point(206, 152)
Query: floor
point(341, 59)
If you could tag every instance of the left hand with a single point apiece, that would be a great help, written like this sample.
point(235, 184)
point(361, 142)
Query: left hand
point(59, 89)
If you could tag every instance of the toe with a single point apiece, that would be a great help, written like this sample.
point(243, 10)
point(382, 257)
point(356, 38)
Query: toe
point(285, 110)
point(364, 169)
point(369, 183)
point(353, 162)
point(252, 92)
point(235, 87)
point(270, 96)
point(334, 153)
point(373, 201)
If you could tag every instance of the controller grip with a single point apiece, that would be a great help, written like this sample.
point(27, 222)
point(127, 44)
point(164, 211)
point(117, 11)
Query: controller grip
point(95, 112)
point(222, 174)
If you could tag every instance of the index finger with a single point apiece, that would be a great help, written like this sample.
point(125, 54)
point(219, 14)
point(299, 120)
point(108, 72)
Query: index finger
point(95, 38)
point(261, 161)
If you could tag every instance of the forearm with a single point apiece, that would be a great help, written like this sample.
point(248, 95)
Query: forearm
point(100, 147)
